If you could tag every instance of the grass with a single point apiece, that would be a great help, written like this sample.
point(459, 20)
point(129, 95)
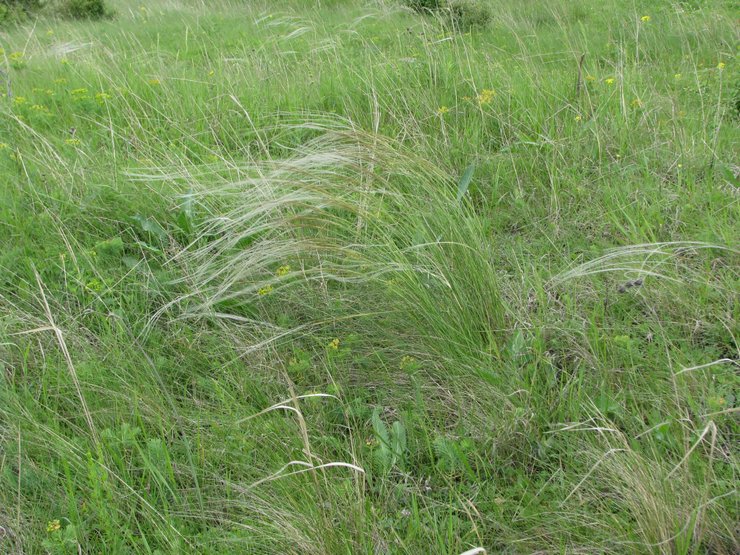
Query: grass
point(326, 277)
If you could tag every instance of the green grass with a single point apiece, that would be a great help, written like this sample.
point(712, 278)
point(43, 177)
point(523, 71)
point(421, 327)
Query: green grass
point(325, 277)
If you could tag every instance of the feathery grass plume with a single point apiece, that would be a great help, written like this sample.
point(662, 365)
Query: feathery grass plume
point(674, 507)
point(359, 212)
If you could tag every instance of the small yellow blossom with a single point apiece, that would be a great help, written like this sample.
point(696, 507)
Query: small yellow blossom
point(102, 96)
point(721, 66)
point(485, 96)
point(407, 361)
point(636, 103)
point(677, 76)
point(680, 166)
point(333, 344)
point(94, 285)
point(3, 146)
point(19, 100)
point(645, 18)
point(40, 108)
point(609, 81)
point(211, 73)
point(442, 110)
point(578, 118)
point(50, 32)
point(53, 526)
point(60, 81)
point(283, 270)
point(266, 290)
point(64, 61)
point(590, 78)
point(15, 56)
point(467, 98)
point(154, 82)
point(73, 142)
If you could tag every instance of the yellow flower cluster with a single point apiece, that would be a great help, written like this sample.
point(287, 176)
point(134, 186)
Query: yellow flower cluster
point(333, 344)
point(79, 94)
point(283, 271)
point(645, 18)
point(442, 110)
point(53, 526)
point(407, 361)
point(486, 96)
point(266, 290)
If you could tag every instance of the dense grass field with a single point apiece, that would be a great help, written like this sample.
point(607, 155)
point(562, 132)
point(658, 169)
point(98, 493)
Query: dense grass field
point(332, 277)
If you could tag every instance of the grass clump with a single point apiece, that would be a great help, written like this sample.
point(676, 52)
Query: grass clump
point(85, 9)
point(465, 15)
point(461, 15)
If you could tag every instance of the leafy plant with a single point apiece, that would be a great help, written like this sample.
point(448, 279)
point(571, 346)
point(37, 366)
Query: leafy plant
point(390, 451)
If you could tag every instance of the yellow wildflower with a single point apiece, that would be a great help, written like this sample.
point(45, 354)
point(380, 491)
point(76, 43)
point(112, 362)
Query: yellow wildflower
point(3, 146)
point(578, 117)
point(40, 108)
point(211, 73)
point(645, 18)
point(609, 81)
point(50, 32)
point(53, 525)
point(64, 61)
point(677, 76)
point(283, 270)
point(154, 82)
point(407, 361)
point(15, 56)
point(590, 78)
point(266, 290)
point(721, 66)
point(442, 110)
point(79, 94)
point(102, 96)
point(73, 142)
point(60, 81)
point(19, 100)
point(636, 103)
point(333, 344)
point(485, 96)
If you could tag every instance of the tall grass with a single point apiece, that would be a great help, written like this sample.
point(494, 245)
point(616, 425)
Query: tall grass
point(326, 277)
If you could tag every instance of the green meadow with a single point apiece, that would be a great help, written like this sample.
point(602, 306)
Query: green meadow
point(341, 277)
